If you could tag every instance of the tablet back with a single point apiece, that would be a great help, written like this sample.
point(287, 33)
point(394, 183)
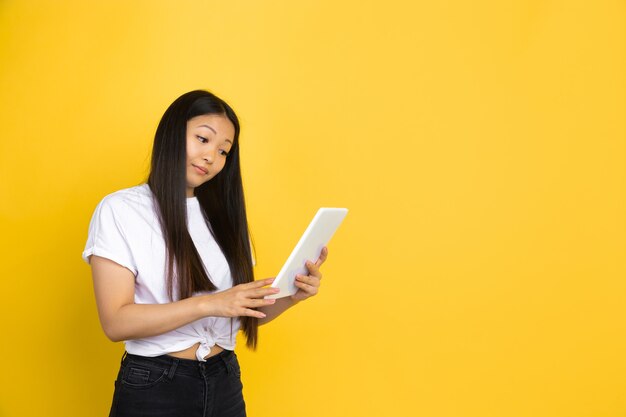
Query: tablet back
point(315, 237)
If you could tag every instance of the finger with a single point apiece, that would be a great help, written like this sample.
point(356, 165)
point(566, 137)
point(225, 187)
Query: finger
point(308, 279)
point(253, 313)
point(262, 292)
point(257, 284)
point(309, 289)
point(322, 257)
point(313, 269)
point(260, 302)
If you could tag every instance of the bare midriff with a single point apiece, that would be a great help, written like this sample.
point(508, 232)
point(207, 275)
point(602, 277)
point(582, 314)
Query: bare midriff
point(190, 353)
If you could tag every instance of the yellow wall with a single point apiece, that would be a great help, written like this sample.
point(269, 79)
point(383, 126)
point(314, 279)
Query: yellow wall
point(481, 149)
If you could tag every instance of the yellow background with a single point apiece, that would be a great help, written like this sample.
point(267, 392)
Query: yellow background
point(480, 147)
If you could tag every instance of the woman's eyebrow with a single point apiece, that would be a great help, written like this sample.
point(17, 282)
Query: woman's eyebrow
point(208, 127)
point(213, 130)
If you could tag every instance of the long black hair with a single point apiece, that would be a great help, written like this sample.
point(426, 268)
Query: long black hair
point(221, 200)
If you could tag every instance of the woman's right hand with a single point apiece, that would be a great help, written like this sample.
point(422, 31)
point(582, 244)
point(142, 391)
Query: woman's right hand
point(241, 300)
point(123, 319)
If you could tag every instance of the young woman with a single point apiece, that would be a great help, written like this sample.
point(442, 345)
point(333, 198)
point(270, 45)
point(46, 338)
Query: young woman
point(172, 270)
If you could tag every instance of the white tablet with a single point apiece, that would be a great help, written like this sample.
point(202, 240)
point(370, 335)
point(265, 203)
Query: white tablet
point(315, 237)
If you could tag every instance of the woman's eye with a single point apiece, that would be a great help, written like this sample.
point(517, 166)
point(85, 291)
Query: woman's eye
point(224, 153)
point(201, 139)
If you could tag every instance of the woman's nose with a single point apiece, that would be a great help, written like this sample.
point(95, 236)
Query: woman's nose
point(209, 156)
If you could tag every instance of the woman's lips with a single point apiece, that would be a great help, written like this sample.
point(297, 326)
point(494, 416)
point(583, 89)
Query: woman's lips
point(200, 170)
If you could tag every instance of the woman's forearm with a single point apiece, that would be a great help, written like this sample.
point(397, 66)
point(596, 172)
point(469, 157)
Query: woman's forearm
point(136, 321)
point(276, 309)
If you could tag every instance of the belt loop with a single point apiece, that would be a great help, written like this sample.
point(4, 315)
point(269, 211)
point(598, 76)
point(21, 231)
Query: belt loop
point(123, 357)
point(172, 370)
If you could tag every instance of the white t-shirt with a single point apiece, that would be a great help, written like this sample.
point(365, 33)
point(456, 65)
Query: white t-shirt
point(125, 229)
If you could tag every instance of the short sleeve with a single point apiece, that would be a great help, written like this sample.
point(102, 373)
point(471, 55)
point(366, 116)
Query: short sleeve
point(107, 236)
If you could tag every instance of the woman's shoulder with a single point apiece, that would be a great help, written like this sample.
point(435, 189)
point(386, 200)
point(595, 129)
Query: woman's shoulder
point(137, 192)
point(131, 197)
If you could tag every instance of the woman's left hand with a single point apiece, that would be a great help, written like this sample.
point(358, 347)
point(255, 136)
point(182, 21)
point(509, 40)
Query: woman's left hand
point(309, 285)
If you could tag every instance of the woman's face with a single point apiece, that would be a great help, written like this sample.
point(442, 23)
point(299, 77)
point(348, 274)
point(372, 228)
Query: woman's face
point(209, 140)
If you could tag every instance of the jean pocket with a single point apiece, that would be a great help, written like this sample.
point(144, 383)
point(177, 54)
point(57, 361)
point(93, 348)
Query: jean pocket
point(140, 375)
point(233, 366)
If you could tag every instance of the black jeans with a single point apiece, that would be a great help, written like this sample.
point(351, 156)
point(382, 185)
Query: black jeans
point(165, 386)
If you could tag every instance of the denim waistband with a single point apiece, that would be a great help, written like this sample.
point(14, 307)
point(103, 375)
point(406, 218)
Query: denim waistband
point(223, 361)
